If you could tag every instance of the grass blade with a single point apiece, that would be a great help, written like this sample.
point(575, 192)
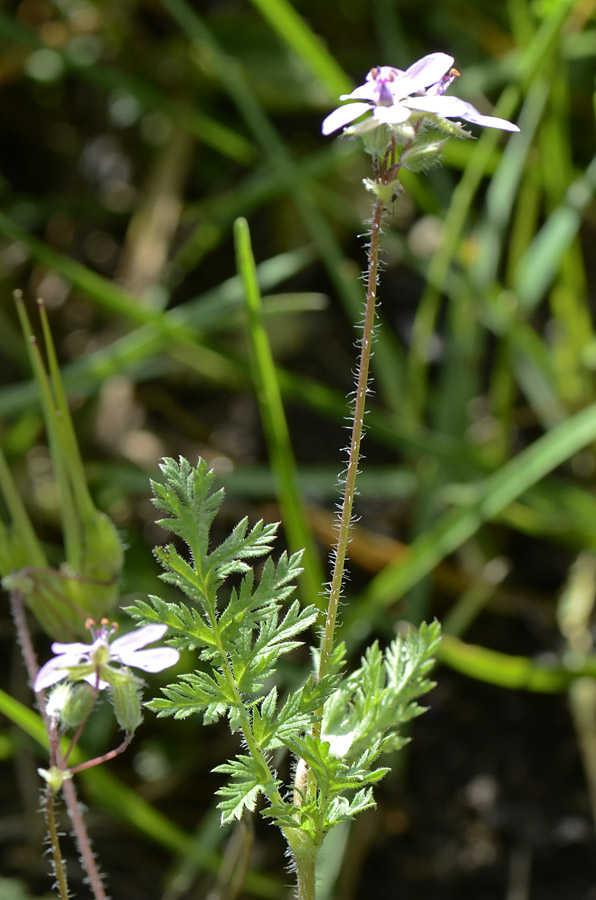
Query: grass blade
point(274, 422)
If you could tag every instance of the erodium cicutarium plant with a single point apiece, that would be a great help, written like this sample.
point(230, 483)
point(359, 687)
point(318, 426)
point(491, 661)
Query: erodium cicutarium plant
point(238, 621)
point(336, 725)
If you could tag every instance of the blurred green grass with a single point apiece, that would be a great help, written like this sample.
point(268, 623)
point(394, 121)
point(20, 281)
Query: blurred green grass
point(132, 141)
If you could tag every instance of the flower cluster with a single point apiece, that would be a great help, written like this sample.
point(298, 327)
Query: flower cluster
point(394, 97)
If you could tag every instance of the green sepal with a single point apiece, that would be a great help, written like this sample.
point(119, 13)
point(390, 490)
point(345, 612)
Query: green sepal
point(422, 156)
point(452, 129)
point(70, 704)
point(125, 696)
point(376, 136)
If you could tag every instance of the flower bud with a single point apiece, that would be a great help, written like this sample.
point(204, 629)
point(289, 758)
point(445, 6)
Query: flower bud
point(421, 156)
point(453, 129)
point(58, 700)
point(54, 777)
point(376, 140)
point(127, 704)
point(70, 704)
point(79, 704)
point(300, 782)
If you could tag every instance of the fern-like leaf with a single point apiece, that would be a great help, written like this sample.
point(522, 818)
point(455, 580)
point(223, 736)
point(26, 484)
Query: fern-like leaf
point(247, 780)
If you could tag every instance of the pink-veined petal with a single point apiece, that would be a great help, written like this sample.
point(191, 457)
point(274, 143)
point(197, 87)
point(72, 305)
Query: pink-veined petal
point(132, 641)
point(343, 115)
point(452, 107)
point(421, 74)
point(151, 660)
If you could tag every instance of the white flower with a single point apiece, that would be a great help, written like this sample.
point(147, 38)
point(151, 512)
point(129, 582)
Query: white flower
point(393, 95)
point(98, 663)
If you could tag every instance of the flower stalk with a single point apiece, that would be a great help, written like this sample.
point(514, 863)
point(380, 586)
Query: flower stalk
point(402, 117)
point(80, 831)
point(345, 520)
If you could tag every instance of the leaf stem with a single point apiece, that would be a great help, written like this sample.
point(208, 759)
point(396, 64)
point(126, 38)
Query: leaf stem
point(228, 672)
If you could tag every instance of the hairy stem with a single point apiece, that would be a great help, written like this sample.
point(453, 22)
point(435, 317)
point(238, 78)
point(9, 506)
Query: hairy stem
point(111, 754)
point(228, 672)
point(58, 862)
point(83, 841)
point(305, 874)
point(354, 452)
point(306, 861)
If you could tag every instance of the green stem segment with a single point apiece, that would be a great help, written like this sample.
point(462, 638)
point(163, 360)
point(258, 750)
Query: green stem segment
point(385, 173)
point(228, 672)
point(357, 431)
point(305, 871)
point(305, 856)
point(59, 871)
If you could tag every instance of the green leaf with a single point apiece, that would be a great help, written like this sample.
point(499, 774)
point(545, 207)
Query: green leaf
point(187, 498)
point(378, 698)
point(333, 775)
point(409, 659)
point(249, 604)
point(273, 729)
point(181, 574)
point(239, 545)
point(187, 629)
point(248, 780)
point(341, 808)
point(272, 641)
point(195, 692)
